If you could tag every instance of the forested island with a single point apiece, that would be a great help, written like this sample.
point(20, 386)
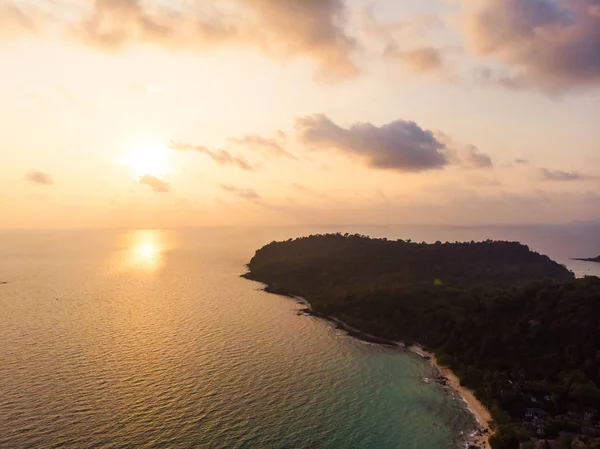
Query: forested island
point(516, 327)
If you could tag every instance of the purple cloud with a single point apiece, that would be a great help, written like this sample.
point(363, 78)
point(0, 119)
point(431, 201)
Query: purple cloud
point(400, 145)
point(554, 45)
point(560, 175)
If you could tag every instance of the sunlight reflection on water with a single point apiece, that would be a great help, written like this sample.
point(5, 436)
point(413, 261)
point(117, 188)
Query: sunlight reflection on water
point(145, 249)
point(151, 339)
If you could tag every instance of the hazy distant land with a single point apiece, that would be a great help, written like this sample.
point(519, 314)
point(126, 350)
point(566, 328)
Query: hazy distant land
point(591, 259)
point(515, 326)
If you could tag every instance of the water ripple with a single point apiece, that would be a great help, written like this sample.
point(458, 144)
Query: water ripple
point(100, 354)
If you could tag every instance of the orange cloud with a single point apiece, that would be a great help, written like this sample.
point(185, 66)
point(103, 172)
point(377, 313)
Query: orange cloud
point(246, 194)
point(314, 28)
point(39, 177)
point(15, 20)
point(419, 60)
point(156, 184)
point(221, 157)
point(114, 24)
point(268, 146)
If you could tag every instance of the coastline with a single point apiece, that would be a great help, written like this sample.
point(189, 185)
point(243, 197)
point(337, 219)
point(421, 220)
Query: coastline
point(482, 415)
point(481, 438)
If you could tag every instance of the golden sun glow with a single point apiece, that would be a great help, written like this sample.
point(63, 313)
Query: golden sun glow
point(147, 158)
point(144, 251)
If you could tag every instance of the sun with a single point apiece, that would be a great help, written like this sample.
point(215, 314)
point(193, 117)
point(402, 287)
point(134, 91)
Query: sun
point(147, 158)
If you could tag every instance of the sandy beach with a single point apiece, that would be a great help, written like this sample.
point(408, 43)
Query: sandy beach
point(480, 412)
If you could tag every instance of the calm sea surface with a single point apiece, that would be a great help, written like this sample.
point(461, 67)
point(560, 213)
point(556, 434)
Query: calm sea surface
point(149, 339)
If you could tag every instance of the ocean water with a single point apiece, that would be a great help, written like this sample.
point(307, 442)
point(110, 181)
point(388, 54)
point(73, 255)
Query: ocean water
point(150, 339)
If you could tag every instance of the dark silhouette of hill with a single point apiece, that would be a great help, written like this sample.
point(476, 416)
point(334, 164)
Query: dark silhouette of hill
point(514, 325)
point(355, 259)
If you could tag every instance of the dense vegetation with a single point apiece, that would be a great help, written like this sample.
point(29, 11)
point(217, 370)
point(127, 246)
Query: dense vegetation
point(514, 325)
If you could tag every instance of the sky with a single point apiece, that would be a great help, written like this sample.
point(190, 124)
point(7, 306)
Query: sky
point(156, 113)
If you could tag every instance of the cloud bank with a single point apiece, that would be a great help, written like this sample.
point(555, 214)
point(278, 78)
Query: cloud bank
point(313, 28)
point(114, 24)
point(550, 44)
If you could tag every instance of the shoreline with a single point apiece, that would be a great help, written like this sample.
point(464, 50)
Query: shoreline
point(480, 438)
point(479, 411)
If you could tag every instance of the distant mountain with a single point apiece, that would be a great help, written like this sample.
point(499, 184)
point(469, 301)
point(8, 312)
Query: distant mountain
point(593, 259)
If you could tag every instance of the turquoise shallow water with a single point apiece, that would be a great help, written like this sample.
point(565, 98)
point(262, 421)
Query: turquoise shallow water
point(150, 339)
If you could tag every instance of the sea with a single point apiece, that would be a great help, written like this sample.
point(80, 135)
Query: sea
point(150, 339)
